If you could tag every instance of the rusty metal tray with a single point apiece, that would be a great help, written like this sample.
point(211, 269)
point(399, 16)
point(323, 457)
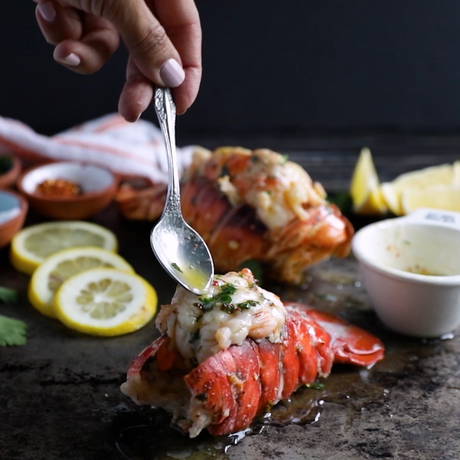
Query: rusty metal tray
point(60, 398)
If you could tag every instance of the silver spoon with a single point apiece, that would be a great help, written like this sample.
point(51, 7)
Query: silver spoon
point(178, 248)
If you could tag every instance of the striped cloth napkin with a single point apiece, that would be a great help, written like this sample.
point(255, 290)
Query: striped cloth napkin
point(129, 149)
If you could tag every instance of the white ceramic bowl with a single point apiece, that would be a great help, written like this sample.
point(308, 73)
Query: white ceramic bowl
point(410, 267)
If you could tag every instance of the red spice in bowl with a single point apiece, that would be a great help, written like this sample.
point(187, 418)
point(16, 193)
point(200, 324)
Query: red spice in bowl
point(58, 188)
point(98, 187)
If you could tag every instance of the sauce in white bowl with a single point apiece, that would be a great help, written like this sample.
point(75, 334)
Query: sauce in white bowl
point(410, 267)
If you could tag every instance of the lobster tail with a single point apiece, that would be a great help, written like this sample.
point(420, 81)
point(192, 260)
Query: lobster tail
point(228, 389)
point(256, 205)
point(253, 205)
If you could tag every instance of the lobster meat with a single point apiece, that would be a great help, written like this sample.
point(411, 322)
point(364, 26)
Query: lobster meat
point(224, 358)
point(253, 205)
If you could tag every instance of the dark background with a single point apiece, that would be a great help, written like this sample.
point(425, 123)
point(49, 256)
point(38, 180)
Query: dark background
point(295, 66)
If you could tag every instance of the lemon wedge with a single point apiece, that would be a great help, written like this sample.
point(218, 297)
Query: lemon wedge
point(457, 172)
point(392, 197)
point(365, 187)
point(445, 197)
point(420, 179)
point(105, 302)
point(32, 245)
point(58, 267)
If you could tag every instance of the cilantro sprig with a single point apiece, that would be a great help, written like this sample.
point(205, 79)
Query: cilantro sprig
point(8, 295)
point(12, 332)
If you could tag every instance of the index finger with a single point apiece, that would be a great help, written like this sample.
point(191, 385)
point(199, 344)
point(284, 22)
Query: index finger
point(181, 21)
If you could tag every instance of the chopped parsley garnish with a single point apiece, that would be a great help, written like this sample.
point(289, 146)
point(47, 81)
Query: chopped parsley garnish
point(284, 159)
point(223, 300)
point(232, 307)
point(176, 267)
point(247, 305)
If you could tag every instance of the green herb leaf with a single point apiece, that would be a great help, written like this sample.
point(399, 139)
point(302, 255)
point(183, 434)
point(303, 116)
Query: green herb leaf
point(12, 332)
point(246, 305)
point(8, 295)
point(317, 386)
point(223, 299)
point(342, 200)
point(285, 159)
point(176, 267)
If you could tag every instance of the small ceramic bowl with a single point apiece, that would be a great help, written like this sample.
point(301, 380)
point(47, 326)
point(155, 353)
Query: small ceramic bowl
point(9, 178)
point(410, 267)
point(97, 184)
point(13, 211)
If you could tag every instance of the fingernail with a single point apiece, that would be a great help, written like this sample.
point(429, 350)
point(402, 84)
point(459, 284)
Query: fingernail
point(71, 60)
point(172, 73)
point(47, 11)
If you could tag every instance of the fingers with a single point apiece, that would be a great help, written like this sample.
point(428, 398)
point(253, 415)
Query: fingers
point(162, 36)
point(57, 23)
point(89, 53)
point(166, 47)
point(185, 94)
point(181, 21)
point(83, 42)
point(136, 94)
point(148, 43)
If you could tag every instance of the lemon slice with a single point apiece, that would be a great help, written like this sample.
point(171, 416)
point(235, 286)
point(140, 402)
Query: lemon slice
point(105, 301)
point(365, 186)
point(422, 178)
point(445, 197)
point(32, 245)
point(49, 275)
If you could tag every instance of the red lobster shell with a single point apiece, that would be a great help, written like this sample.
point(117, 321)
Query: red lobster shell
point(226, 391)
point(253, 206)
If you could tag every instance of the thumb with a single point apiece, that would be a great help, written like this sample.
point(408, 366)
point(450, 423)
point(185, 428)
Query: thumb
point(147, 42)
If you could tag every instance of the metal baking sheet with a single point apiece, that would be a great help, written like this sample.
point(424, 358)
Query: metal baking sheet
point(60, 397)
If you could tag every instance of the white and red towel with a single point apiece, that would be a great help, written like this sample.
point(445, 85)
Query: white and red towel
point(129, 149)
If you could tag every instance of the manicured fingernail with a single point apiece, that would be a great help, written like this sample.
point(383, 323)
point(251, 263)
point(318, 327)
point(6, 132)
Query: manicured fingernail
point(172, 73)
point(47, 11)
point(71, 60)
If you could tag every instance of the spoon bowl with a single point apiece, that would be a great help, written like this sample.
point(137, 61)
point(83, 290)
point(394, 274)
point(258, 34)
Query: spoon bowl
point(179, 249)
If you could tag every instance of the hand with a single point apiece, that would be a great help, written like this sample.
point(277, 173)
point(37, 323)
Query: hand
point(163, 38)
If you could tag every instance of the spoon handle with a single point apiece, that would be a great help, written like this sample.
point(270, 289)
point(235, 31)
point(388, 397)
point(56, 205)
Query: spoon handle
point(166, 113)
